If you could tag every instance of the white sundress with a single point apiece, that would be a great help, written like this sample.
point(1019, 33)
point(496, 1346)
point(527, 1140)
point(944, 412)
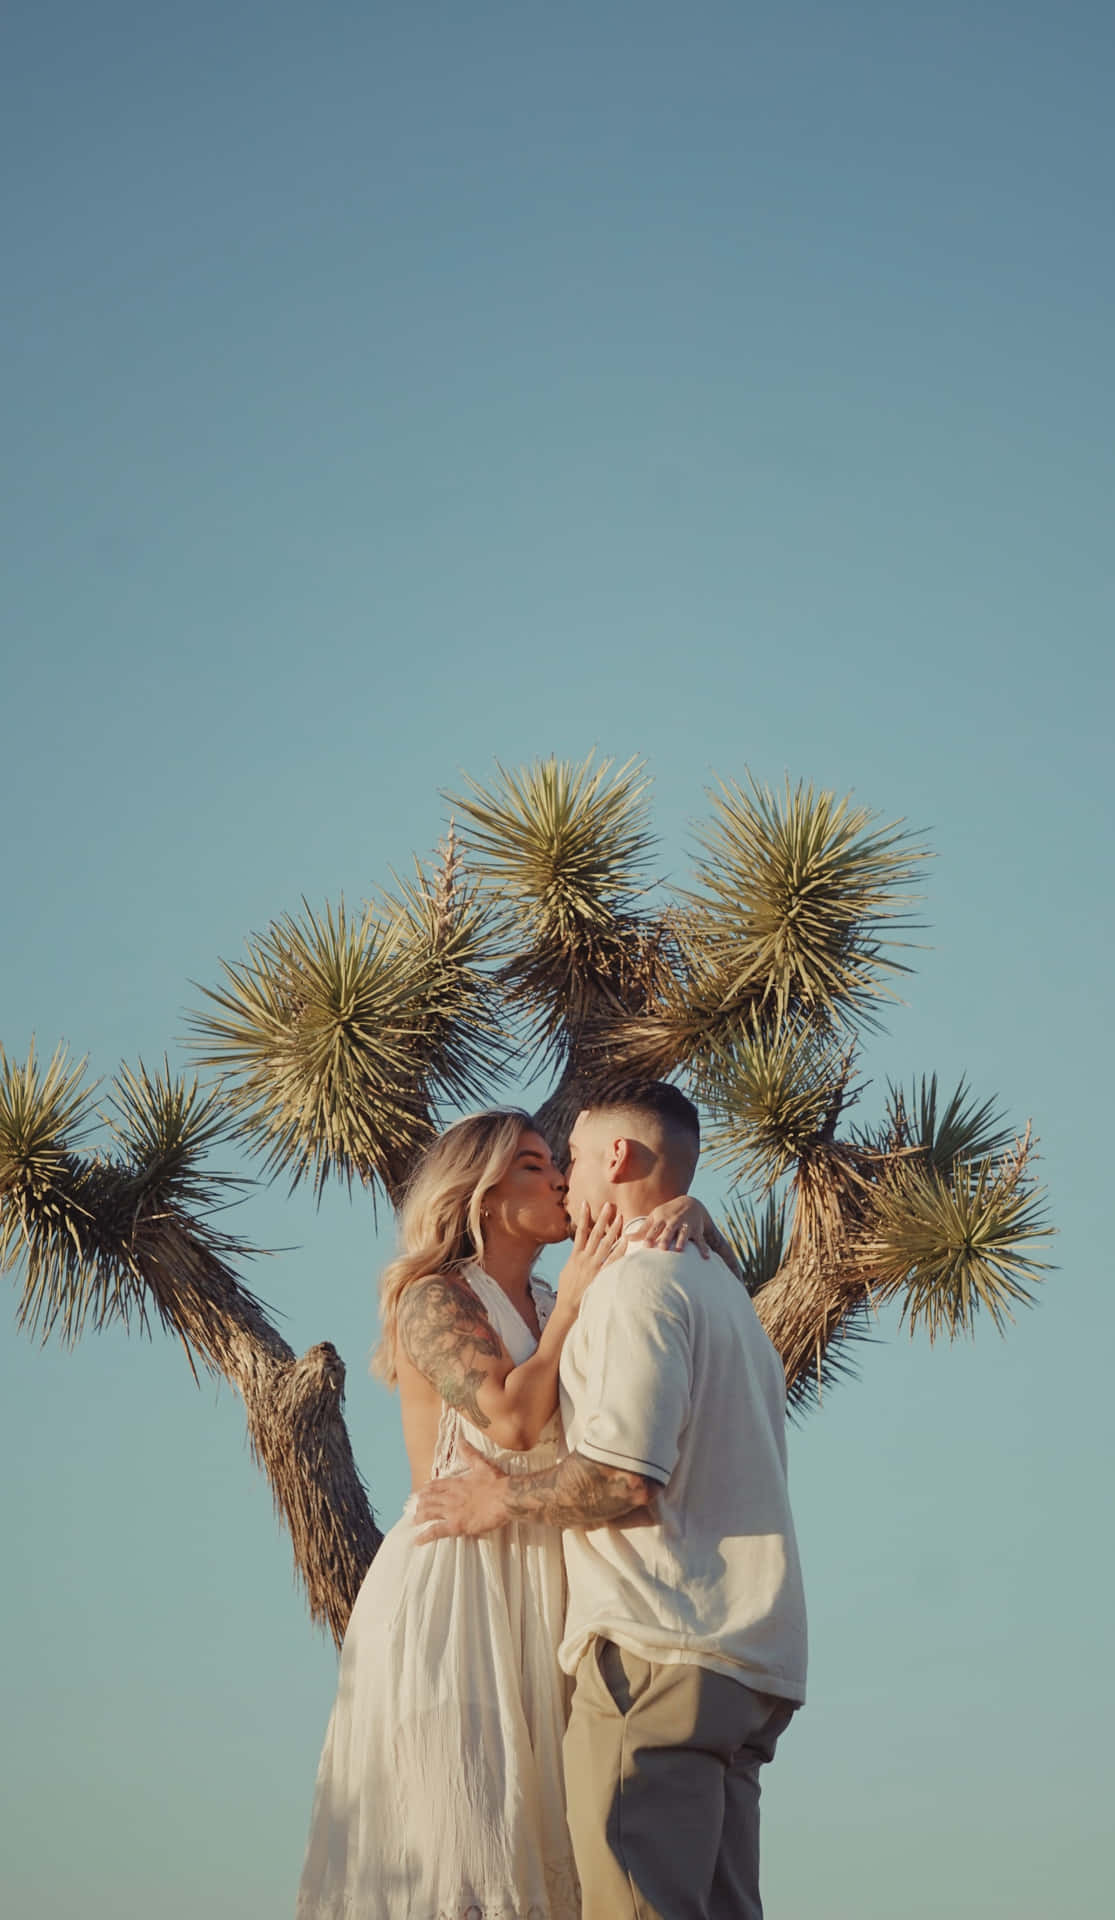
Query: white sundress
point(440, 1793)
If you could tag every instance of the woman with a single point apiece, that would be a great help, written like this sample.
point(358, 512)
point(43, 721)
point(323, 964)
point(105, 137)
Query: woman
point(440, 1794)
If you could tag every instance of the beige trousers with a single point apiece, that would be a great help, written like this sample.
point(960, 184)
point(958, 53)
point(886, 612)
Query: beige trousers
point(662, 1783)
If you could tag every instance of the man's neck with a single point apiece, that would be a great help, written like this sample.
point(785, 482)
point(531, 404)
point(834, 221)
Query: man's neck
point(637, 1198)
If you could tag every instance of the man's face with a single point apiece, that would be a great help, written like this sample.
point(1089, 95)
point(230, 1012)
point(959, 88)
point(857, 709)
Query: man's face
point(589, 1155)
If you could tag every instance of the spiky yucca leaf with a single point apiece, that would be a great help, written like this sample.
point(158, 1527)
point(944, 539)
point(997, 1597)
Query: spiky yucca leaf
point(563, 844)
point(954, 1249)
point(439, 926)
point(311, 1034)
point(165, 1126)
point(71, 1219)
point(770, 1098)
point(49, 1200)
point(338, 1033)
point(757, 1238)
point(798, 896)
point(687, 1020)
point(962, 1133)
point(560, 849)
point(73, 1276)
point(43, 1113)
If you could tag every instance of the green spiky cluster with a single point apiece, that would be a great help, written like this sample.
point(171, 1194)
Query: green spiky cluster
point(561, 852)
point(771, 1096)
point(339, 1034)
point(797, 900)
point(757, 1237)
point(953, 1136)
point(72, 1219)
point(952, 1245)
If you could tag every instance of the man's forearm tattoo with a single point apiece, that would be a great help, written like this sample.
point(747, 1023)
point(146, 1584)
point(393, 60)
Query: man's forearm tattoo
point(445, 1330)
point(578, 1493)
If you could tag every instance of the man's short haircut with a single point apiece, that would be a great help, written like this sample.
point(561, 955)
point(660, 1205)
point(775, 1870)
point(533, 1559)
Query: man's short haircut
point(675, 1113)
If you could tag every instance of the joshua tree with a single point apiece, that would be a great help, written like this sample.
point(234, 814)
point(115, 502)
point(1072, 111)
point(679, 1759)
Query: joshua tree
point(539, 937)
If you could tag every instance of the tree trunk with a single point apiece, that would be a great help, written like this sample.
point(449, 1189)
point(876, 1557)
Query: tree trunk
point(294, 1410)
point(820, 1291)
point(556, 1116)
point(803, 1311)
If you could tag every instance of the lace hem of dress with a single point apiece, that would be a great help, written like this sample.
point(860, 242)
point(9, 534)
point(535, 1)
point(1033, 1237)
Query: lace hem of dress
point(562, 1902)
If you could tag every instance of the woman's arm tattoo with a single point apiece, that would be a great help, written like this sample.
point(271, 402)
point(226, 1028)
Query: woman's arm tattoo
point(578, 1493)
point(445, 1330)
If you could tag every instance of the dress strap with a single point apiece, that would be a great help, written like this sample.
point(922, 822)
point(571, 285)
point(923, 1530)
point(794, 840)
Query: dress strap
point(445, 1447)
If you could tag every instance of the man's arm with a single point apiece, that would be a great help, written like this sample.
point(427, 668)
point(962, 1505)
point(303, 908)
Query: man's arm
point(578, 1493)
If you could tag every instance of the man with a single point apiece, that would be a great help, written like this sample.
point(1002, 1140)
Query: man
point(686, 1623)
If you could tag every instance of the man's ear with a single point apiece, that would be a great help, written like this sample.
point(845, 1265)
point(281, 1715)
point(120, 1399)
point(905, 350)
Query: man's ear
point(619, 1159)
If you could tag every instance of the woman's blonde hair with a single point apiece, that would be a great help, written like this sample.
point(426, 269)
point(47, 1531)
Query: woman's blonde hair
point(440, 1224)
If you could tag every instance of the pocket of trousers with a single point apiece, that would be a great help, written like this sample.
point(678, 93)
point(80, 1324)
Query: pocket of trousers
point(624, 1676)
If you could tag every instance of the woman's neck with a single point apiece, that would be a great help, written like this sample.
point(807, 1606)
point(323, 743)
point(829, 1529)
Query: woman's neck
point(510, 1263)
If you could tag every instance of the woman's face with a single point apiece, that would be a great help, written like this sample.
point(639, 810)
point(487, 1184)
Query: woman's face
point(529, 1202)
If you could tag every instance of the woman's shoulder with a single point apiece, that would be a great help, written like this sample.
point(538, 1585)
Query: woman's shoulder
point(440, 1300)
point(450, 1284)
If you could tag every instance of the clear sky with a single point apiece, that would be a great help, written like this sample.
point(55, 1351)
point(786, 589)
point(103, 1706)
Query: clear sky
point(394, 388)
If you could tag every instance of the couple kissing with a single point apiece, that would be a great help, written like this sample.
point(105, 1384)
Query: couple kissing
point(575, 1650)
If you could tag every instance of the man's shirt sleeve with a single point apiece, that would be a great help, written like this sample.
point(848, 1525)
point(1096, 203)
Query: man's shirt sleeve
point(639, 1374)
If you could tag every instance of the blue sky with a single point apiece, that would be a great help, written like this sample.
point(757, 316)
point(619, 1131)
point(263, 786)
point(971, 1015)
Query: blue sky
point(391, 390)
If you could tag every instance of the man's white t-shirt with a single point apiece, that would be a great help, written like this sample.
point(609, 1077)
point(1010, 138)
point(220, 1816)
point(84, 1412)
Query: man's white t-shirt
point(668, 1373)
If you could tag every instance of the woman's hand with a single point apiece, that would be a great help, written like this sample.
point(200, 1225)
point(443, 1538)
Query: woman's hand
point(677, 1222)
point(594, 1243)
